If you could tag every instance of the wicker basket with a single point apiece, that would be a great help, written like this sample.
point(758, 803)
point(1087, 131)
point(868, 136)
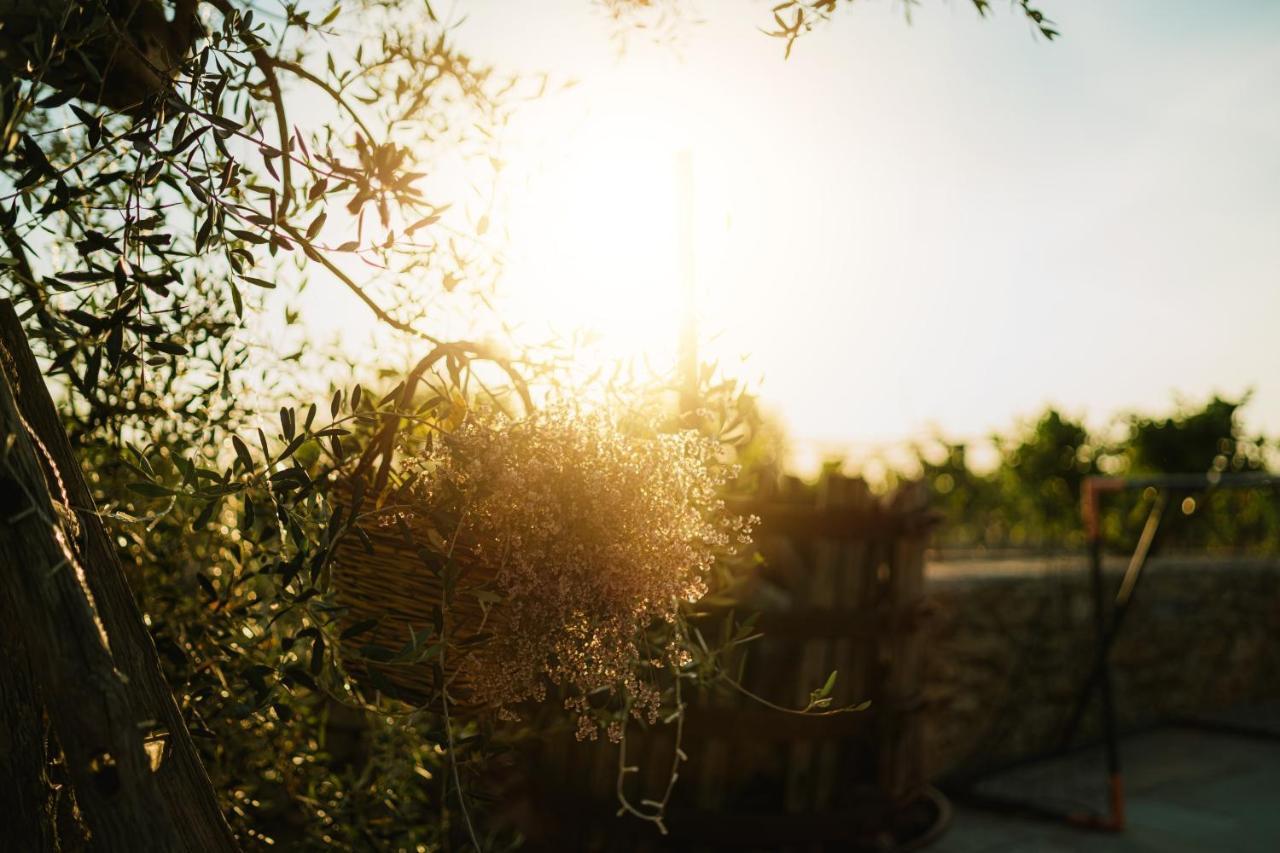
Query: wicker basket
point(388, 575)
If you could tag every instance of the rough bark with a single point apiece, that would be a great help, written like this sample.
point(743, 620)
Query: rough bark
point(26, 794)
point(59, 633)
point(186, 800)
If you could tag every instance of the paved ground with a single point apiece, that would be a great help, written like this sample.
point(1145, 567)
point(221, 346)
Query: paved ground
point(1188, 790)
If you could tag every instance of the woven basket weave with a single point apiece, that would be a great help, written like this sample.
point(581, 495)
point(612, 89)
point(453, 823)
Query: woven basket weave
point(390, 579)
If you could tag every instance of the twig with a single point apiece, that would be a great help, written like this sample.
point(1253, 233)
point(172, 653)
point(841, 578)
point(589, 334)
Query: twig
point(659, 807)
point(378, 310)
point(799, 712)
point(335, 94)
point(266, 64)
point(444, 694)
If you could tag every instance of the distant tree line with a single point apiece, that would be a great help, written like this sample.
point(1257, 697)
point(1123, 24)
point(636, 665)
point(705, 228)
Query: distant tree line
point(1031, 498)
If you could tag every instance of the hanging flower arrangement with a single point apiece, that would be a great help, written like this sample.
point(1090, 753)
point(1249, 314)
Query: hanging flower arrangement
point(572, 536)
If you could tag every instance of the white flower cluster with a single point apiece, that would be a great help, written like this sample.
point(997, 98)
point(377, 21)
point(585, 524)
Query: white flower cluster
point(591, 533)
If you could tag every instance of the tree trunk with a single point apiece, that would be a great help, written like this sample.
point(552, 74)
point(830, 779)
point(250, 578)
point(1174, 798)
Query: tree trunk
point(93, 659)
point(58, 629)
point(26, 794)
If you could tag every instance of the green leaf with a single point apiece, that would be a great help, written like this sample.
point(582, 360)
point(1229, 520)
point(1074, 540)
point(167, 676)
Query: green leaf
point(206, 515)
point(361, 627)
point(92, 122)
point(168, 347)
point(301, 676)
point(422, 223)
point(207, 585)
point(316, 224)
point(374, 652)
point(292, 447)
point(188, 139)
point(249, 236)
point(317, 654)
point(242, 452)
point(380, 681)
point(829, 686)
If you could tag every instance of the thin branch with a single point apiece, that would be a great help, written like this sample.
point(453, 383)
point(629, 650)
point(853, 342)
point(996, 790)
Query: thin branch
point(658, 816)
point(444, 692)
point(378, 310)
point(266, 64)
point(299, 71)
point(26, 276)
point(799, 712)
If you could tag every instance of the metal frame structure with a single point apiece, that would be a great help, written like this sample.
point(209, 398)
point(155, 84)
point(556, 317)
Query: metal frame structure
point(1107, 628)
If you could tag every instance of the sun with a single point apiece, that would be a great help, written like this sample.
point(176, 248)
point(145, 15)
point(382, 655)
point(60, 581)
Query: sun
point(599, 242)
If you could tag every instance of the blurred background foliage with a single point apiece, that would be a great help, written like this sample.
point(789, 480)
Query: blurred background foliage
point(1030, 497)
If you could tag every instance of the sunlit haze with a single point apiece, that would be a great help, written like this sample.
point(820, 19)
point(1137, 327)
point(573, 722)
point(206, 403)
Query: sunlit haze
point(909, 227)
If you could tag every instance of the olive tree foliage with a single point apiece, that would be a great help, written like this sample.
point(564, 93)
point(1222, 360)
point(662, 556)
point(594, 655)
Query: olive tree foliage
point(794, 18)
point(665, 20)
point(157, 175)
point(164, 167)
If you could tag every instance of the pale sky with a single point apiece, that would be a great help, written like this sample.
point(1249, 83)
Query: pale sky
point(946, 224)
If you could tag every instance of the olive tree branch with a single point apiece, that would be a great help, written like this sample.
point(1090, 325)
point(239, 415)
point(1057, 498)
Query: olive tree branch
point(266, 64)
point(337, 96)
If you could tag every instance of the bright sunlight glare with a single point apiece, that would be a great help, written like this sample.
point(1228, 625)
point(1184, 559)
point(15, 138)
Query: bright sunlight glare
point(861, 246)
point(594, 241)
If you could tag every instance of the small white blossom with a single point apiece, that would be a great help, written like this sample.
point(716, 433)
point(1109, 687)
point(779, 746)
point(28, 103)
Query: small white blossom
point(591, 534)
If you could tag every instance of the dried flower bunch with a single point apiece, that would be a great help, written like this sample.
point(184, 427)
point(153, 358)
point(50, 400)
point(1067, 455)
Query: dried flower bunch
point(592, 533)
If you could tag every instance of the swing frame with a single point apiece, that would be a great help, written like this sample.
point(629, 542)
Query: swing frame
point(1107, 626)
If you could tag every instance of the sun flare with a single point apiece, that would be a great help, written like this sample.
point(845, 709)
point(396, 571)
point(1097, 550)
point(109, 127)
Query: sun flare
point(596, 243)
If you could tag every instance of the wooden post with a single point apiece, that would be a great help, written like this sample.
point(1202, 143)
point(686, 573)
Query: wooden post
point(95, 664)
point(902, 739)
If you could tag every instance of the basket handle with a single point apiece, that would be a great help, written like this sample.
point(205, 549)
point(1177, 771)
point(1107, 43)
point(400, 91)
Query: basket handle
point(383, 443)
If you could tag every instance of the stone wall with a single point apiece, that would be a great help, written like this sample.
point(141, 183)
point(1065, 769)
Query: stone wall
point(1009, 643)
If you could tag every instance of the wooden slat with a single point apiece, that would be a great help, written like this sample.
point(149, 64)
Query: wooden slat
point(837, 522)
point(901, 738)
point(809, 522)
point(845, 597)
